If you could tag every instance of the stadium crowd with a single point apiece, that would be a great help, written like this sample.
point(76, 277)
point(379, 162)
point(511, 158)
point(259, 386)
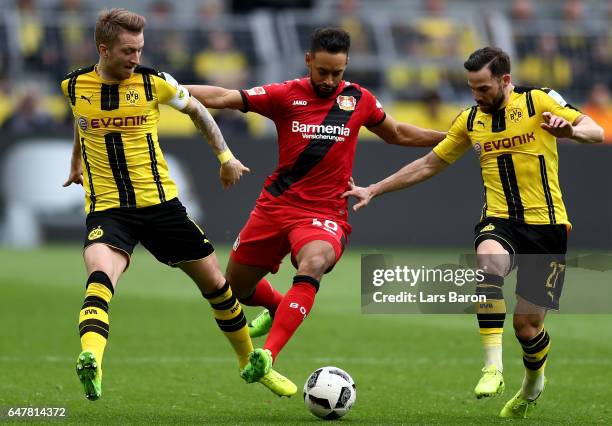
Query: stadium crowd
point(408, 52)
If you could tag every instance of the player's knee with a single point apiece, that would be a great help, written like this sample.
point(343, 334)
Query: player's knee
point(99, 257)
point(526, 333)
point(314, 266)
point(493, 258)
point(495, 264)
point(525, 327)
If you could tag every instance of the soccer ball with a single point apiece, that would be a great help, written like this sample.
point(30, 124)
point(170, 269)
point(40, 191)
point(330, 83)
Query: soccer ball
point(329, 393)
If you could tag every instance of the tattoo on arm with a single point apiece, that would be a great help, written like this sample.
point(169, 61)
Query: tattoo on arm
point(206, 125)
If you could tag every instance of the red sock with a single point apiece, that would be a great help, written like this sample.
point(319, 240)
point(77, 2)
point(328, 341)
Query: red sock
point(291, 312)
point(264, 295)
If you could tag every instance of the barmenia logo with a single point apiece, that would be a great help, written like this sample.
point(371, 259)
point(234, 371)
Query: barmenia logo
point(321, 131)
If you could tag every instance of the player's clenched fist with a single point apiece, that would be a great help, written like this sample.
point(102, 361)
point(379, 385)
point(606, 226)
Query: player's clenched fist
point(231, 172)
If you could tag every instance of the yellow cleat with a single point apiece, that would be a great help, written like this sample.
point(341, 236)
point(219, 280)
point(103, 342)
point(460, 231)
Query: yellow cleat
point(519, 407)
point(259, 369)
point(278, 384)
point(490, 384)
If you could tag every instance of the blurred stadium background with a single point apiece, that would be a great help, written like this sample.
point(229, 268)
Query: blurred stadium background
point(410, 54)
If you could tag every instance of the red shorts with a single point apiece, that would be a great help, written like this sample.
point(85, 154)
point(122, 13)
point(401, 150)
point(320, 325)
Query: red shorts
point(270, 234)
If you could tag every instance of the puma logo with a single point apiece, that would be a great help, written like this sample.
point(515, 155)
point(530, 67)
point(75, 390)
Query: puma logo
point(481, 123)
point(88, 99)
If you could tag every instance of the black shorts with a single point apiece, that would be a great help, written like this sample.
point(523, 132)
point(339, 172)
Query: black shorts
point(163, 229)
point(539, 253)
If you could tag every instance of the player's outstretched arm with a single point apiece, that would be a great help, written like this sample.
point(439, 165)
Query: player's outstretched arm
point(584, 129)
point(411, 174)
point(231, 168)
point(76, 167)
point(398, 133)
point(217, 97)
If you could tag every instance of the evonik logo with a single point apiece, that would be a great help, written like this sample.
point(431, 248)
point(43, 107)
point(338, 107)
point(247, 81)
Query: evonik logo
point(508, 142)
point(320, 131)
point(137, 120)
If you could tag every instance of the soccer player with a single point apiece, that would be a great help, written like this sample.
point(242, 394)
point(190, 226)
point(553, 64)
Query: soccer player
point(300, 209)
point(513, 131)
point(129, 196)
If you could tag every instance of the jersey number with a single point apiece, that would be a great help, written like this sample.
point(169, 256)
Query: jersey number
point(551, 281)
point(328, 225)
point(557, 269)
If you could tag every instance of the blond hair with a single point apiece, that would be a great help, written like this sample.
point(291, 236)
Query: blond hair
point(111, 22)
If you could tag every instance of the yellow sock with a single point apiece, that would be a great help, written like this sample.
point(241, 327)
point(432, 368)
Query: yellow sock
point(535, 355)
point(93, 318)
point(231, 320)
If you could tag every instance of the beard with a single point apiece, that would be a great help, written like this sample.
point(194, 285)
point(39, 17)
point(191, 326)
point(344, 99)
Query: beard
point(494, 104)
point(323, 90)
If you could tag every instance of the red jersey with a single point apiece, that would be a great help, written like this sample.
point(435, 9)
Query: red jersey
point(317, 138)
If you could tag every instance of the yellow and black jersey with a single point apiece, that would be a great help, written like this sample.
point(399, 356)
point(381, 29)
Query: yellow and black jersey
point(518, 158)
point(123, 165)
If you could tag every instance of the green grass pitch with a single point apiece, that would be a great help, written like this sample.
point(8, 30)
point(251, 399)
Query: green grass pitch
point(166, 361)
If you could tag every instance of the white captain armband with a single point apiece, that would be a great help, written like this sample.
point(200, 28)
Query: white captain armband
point(181, 98)
point(557, 97)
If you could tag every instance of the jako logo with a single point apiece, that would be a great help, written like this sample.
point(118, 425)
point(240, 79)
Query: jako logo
point(96, 123)
point(298, 102)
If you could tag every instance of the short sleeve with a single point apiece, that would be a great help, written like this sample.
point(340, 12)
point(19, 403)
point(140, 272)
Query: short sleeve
point(64, 86)
point(264, 100)
point(457, 140)
point(551, 101)
point(376, 112)
point(170, 92)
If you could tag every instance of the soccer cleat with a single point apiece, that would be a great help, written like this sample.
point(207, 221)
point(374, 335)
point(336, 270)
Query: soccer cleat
point(260, 363)
point(490, 384)
point(519, 407)
point(261, 324)
point(259, 369)
point(90, 374)
point(278, 383)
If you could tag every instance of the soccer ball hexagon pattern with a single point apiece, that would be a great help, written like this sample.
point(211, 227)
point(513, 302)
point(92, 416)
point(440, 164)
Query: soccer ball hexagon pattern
point(329, 393)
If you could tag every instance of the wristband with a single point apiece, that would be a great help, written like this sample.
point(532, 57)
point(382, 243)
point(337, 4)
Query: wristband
point(225, 156)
